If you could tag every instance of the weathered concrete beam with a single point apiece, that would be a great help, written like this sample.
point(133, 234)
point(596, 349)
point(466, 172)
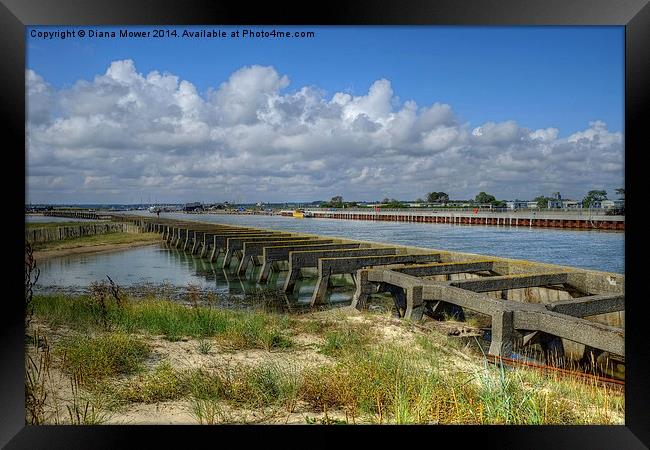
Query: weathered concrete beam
point(468, 299)
point(220, 241)
point(304, 259)
point(595, 283)
point(350, 264)
point(208, 238)
point(332, 266)
point(277, 253)
point(425, 270)
point(251, 250)
point(589, 306)
point(235, 245)
point(505, 282)
point(593, 334)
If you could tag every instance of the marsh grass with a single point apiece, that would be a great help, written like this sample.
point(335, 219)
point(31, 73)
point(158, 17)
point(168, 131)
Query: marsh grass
point(398, 385)
point(95, 358)
point(346, 339)
point(235, 329)
point(426, 381)
point(268, 385)
point(84, 408)
point(209, 411)
point(204, 347)
point(43, 406)
point(163, 383)
point(37, 373)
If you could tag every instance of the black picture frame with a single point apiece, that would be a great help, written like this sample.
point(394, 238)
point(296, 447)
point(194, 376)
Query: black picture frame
point(15, 15)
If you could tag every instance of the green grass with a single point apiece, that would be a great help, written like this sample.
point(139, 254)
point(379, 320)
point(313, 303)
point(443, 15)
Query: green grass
point(204, 347)
point(95, 358)
point(266, 385)
point(234, 329)
point(369, 380)
point(392, 384)
point(346, 339)
point(163, 383)
point(99, 239)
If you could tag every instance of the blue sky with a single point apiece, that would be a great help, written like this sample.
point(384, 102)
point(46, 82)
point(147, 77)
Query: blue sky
point(363, 112)
point(562, 77)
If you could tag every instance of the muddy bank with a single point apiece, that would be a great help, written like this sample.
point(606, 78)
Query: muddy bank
point(41, 255)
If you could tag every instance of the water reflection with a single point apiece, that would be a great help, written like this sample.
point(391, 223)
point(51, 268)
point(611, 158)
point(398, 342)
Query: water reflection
point(160, 264)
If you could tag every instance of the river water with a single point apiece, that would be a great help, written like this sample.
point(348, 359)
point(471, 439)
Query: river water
point(598, 250)
point(157, 263)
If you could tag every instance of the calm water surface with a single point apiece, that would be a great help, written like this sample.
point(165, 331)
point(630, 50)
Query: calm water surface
point(160, 264)
point(599, 250)
point(156, 264)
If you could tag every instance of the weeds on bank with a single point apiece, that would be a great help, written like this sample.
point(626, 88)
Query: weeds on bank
point(208, 411)
point(260, 387)
point(95, 358)
point(400, 385)
point(83, 409)
point(346, 339)
point(204, 347)
point(32, 272)
point(42, 404)
point(163, 383)
point(369, 382)
point(37, 372)
point(235, 329)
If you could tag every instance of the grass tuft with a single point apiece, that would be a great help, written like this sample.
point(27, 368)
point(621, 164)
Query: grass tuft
point(163, 383)
point(237, 329)
point(95, 358)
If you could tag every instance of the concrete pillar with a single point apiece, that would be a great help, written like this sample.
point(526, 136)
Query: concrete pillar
point(364, 289)
point(264, 273)
point(321, 289)
point(503, 334)
point(227, 259)
point(290, 282)
point(188, 233)
point(414, 303)
point(205, 246)
point(215, 251)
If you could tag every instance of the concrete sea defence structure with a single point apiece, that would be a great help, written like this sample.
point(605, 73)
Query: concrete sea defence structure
point(587, 219)
point(576, 312)
point(77, 214)
point(47, 234)
point(571, 312)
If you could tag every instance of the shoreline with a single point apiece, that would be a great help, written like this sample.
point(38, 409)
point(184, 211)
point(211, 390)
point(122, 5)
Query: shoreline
point(41, 255)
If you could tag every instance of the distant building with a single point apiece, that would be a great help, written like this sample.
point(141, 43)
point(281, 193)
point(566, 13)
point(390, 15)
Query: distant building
point(571, 204)
point(517, 204)
point(611, 204)
point(532, 205)
point(555, 201)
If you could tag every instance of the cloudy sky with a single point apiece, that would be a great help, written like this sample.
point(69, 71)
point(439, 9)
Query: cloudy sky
point(365, 113)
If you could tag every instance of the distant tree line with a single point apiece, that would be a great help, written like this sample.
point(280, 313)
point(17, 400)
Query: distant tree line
point(482, 198)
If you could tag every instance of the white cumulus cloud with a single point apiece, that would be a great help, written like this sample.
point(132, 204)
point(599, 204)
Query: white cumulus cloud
point(125, 135)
